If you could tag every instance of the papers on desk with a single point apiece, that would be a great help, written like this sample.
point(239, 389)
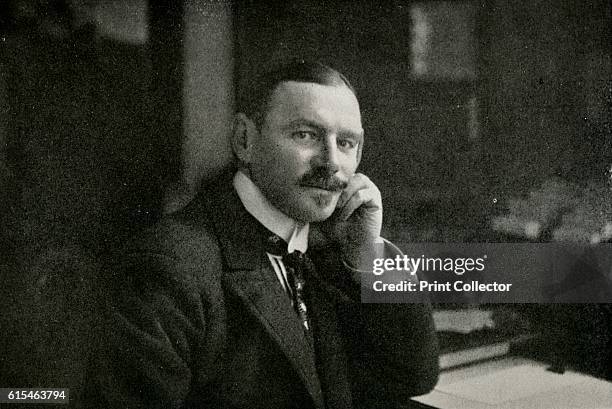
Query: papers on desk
point(452, 359)
point(510, 384)
point(468, 335)
point(526, 385)
point(463, 321)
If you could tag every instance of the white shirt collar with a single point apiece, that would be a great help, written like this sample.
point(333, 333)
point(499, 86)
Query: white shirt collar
point(294, 233)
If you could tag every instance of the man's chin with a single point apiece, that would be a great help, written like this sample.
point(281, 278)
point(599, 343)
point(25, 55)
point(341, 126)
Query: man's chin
point(320, 216)
point(323, 205)
point(312, 206)
point(315, 213)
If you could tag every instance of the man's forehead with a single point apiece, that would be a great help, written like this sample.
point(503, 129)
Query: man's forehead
point(292, 100)
point(297, 90)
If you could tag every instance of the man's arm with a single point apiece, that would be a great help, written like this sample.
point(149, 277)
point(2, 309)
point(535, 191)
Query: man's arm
point(392, 348)
point(155, 318)
point(395, 355)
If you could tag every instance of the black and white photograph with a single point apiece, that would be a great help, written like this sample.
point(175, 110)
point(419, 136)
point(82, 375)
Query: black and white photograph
point(244, 204)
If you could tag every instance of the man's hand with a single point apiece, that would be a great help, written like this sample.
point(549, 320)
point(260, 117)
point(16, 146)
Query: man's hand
point(356, 223)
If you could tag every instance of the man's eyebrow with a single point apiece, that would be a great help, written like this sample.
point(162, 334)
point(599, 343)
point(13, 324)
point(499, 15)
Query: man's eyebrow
point(304, 122)
point(357, 135)
point(308, 123)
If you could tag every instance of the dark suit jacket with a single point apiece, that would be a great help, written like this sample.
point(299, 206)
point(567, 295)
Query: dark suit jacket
point(197, 318)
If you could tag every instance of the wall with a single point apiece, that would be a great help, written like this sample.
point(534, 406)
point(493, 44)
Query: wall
point(208, 95)
point(546, 73)
point(80, 155)
point(208, 89)
point(4, 128)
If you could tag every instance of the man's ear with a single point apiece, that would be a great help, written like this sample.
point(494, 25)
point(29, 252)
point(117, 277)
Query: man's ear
point(243, 136)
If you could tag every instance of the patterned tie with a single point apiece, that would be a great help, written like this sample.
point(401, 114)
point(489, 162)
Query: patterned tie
point(297, 264)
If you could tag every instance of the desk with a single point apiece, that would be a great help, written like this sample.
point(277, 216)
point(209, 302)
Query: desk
point(517, 383)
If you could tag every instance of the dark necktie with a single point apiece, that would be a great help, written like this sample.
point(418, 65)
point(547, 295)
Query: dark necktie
point(297, 266)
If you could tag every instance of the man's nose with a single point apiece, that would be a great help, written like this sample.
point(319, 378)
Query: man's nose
point(328, 156)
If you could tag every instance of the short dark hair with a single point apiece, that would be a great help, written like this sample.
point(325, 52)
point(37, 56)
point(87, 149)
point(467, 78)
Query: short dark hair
point(254, 99)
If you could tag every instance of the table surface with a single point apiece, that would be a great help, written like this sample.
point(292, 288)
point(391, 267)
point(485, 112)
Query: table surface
point(517, 383)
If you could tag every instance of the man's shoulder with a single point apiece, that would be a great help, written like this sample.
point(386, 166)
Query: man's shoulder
point(186, 233)
point(179, 247)
point(175, 237)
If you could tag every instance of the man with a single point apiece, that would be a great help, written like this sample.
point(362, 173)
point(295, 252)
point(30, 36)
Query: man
point(209, 310)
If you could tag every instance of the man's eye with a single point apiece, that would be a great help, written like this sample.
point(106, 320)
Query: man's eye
point(304, 135)
point(347, 143)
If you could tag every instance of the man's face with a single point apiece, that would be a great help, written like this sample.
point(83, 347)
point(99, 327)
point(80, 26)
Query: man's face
point(307, 149)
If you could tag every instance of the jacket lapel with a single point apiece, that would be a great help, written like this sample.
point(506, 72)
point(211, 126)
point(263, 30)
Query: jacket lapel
point(265, 300)
point(251, 277)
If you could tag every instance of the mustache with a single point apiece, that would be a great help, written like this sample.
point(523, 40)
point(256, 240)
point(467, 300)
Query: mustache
point(321, 179)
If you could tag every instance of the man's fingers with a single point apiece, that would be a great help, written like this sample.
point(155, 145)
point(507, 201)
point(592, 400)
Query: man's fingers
point(357, 219)
point(357, 182)
point(366, 198)
point(351, 205)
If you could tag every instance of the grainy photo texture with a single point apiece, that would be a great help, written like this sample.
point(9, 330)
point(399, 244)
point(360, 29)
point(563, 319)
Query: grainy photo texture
point(306, 204)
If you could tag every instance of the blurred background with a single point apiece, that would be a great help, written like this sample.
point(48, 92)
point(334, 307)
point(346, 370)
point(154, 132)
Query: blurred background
point(113, 112)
